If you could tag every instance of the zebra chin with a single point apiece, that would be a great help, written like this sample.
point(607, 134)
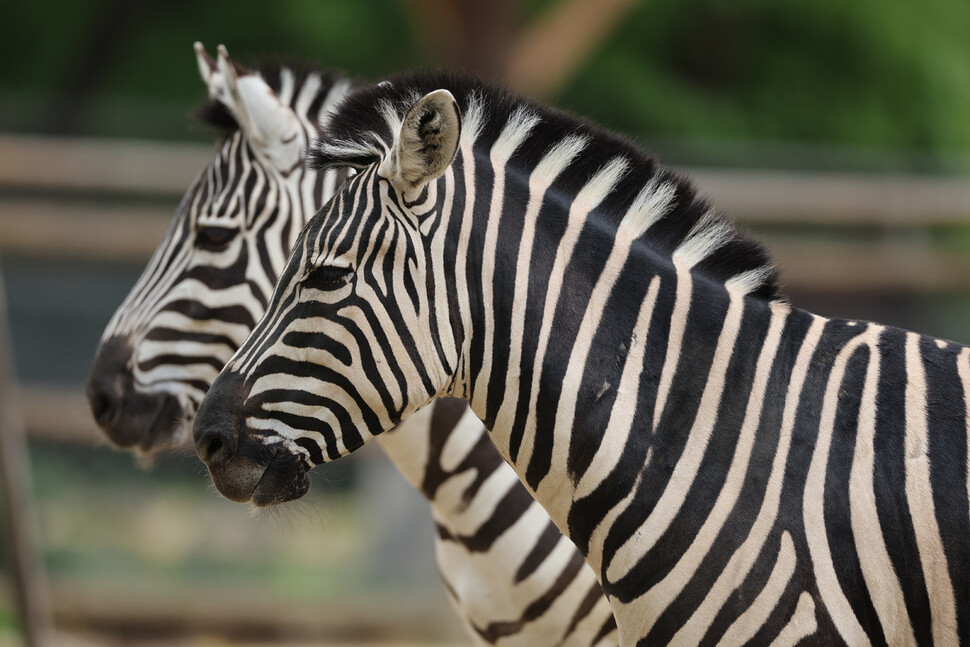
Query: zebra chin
point(245, 467)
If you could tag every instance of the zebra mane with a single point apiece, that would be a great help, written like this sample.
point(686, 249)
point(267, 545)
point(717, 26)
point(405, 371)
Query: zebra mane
point(673, 219)
point(213, 113)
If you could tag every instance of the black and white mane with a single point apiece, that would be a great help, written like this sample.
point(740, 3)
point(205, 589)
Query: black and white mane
point(362, 129)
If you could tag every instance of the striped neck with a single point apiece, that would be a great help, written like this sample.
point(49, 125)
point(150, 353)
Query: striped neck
point(569, 297)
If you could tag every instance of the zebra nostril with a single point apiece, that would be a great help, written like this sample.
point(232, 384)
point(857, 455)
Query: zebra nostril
point(103, 407)
point(109, 382)
point(214, 449)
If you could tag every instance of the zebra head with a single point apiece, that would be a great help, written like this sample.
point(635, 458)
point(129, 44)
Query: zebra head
point(362, 329)
point(210, 279)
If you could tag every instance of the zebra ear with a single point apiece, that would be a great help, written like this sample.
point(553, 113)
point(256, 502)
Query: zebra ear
point(207, 66)
point(427, 143)
point(271, 126)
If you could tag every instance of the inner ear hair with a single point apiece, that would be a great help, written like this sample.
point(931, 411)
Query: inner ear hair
point(428, 140)
point(423, 137)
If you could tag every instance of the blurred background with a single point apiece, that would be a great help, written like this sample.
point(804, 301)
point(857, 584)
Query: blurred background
point(839, 132)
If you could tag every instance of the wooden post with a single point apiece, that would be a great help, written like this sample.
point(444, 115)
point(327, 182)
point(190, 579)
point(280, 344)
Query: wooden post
point(19, 523)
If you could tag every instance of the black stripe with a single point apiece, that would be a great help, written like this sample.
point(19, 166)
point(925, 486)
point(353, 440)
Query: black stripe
point(889, 482)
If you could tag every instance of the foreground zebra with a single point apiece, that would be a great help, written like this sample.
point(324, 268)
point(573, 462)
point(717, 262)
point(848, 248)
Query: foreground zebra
point(511, 575)
point(734, 469)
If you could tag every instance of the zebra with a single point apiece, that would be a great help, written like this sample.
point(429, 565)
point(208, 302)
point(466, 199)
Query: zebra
point(210, 279)
point(507, 570)
point(734, 469)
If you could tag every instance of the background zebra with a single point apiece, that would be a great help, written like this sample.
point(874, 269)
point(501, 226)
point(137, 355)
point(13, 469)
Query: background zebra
point(512, 576)
point(733, 468)
point(210, 279)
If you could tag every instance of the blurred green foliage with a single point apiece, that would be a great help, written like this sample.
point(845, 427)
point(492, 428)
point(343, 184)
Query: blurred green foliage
point(108, 525)
point(891, 77)
point(894, 76)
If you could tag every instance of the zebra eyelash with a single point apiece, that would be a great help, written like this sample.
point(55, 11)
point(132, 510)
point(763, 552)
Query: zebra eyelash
point(214, 239)
point(328, 277)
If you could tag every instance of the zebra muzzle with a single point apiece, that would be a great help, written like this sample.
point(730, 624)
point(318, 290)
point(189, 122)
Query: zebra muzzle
point(128, 417)
point(243, 465)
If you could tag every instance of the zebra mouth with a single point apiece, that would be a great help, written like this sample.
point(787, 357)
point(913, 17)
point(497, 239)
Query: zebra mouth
point(245, 466)
point(146, 425)
point(280, 479)
point(284, 479)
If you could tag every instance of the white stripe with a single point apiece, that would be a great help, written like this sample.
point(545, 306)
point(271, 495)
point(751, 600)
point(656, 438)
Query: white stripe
point(919, 495)
point(575, 369)
point(589, 197)
point(678, 321)
point(546, 171)
point(754, 617)
point(617, 431)
point(442, 310)
point(308, 92)
point(802, 623)
point(516, 131)
point(286, 86)
point(461, 261)
point(336, 95)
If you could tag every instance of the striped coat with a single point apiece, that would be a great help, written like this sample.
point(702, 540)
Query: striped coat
point(511, 575)
point(734, 469)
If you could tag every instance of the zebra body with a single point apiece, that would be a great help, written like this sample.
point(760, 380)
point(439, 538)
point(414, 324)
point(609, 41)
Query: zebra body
point(512, 577)
point(734, 469)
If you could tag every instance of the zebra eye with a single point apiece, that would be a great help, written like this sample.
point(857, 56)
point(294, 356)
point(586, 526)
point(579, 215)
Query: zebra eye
point(328, 277)
point(214, 239)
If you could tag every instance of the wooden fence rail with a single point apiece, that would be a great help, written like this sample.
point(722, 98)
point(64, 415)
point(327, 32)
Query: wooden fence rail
point(112, 200)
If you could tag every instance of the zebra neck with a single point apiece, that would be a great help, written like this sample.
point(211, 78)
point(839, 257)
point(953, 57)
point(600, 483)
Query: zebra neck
point(443, 451)
point(408, 445)
point(584, 358)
